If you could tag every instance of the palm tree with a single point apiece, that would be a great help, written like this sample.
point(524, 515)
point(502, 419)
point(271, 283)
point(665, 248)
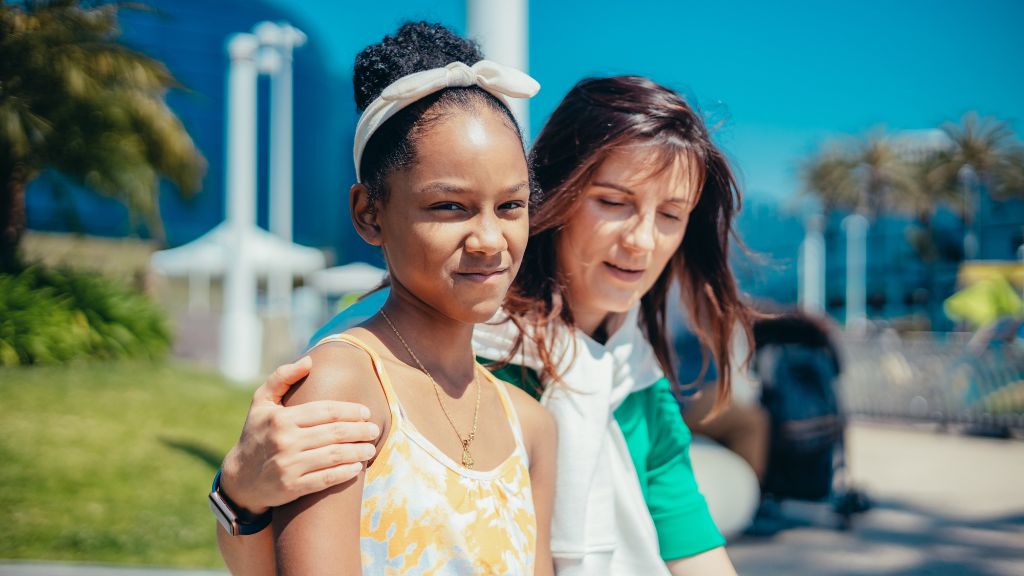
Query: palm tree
point(867, 177)
point(983, 154)
point(75, 100)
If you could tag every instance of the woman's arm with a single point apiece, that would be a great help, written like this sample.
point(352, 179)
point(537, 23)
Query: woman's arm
point(714, 562)
point(541, 438)
point(319, 533)
point(284, 453)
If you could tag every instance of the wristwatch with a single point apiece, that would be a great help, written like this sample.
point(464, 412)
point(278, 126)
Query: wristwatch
point(235, 523)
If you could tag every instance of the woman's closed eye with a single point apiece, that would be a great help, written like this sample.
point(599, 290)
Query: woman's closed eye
point(611, 202)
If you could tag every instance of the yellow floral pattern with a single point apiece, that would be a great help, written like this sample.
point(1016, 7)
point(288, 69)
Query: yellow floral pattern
point(424, 514)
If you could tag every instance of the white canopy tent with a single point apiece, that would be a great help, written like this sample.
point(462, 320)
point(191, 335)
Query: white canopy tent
point(357, 277)
point(211, 254)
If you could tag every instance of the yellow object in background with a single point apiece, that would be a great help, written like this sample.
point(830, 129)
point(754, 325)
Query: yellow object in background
point(984, 301)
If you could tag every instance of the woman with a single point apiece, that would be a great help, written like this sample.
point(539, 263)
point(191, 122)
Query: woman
point(635, 197)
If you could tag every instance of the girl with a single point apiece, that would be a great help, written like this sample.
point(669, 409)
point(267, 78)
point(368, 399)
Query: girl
point(635, 198)
point(462, 479)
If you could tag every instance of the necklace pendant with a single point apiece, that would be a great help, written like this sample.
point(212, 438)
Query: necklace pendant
point(467, 458)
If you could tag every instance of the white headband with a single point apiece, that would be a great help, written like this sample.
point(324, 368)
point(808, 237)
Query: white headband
point(501, 81)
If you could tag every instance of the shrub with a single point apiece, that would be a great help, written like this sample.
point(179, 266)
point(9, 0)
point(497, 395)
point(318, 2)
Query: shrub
point(51, 316)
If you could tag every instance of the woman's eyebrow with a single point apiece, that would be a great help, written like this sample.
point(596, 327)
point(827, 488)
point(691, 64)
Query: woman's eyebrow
point(615, 186)
point(625, 190)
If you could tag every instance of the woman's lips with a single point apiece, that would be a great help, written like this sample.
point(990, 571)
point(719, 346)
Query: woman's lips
point(624, 274)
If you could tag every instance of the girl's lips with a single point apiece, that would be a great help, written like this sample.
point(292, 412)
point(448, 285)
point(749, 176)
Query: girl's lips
point(623, 273)
point(481, 276)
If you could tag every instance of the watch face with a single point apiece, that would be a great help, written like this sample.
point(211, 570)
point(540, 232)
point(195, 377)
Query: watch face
point(223, 513)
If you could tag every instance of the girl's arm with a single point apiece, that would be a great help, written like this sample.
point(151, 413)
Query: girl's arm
point(319, 533)
point(247, 555)
point(714, 562)
point(284, 453)
point(541, 438)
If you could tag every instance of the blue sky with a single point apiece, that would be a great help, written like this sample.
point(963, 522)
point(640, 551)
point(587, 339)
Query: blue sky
point(779, 76)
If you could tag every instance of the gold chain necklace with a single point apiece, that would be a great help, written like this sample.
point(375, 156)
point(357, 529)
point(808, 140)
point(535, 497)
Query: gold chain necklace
point(467, 458)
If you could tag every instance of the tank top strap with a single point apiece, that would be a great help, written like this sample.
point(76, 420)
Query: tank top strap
point(378, 368)
point(506, 406)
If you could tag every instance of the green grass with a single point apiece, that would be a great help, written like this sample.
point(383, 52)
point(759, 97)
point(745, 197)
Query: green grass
point(111, 462)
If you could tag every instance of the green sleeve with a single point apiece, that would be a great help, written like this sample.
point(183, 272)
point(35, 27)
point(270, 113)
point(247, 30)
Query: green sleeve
point(680, 513)
point(521, 377)
point(659, 444)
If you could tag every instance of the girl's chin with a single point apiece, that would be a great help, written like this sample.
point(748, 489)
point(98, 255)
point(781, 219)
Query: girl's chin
point(482, 312)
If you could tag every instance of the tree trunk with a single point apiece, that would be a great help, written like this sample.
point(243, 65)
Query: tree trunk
point(13, 179)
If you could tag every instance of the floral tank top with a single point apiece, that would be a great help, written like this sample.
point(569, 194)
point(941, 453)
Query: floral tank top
point(423, 513)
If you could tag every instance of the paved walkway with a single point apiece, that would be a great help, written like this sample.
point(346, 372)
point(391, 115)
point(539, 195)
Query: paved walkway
point(945, 505)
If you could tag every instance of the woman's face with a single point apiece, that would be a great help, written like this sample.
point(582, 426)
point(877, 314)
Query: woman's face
point(455, 223)
point(631, 220)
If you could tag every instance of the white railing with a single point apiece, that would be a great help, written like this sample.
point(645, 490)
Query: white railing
point(943, 378)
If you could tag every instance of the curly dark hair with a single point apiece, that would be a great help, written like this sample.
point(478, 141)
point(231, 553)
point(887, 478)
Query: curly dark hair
point(417, 46)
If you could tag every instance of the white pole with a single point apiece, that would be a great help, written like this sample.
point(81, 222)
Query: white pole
point(812, 266)
point(856, 227)
point(281, 38)
point(240, 337)
point(502, 29)
point(969, 182)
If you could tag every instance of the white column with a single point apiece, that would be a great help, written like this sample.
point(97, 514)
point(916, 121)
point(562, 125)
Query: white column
point(812, 266)
point(856, 227)
point(502, 29)
point(972, 205)
point(240, 337)
point(280, 39)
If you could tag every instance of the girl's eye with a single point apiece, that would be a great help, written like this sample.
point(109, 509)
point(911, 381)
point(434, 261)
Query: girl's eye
point(671, 216)
point(446, 207)
point(608, 202)
point(513, 205)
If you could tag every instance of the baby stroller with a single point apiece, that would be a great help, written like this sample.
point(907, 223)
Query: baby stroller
point(798, 366)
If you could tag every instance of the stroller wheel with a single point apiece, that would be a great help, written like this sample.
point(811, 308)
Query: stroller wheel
point(845, 523)
point(851, 502)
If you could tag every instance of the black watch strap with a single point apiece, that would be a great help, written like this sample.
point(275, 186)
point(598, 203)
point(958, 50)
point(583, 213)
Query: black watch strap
point(228, 515)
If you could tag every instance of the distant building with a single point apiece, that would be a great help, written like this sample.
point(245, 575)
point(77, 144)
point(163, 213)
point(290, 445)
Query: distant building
point(190, 37)
point(900, 284)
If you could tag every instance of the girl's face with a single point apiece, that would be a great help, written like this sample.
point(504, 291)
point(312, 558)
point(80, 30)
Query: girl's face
point(629, 223)
point(455, 223)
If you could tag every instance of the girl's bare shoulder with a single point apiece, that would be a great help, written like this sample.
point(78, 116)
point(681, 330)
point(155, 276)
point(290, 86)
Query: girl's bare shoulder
point(536, 421)
point(341, 371)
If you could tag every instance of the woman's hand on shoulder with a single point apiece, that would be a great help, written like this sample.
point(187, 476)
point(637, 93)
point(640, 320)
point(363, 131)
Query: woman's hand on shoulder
point(287, 452)
point(341, 373)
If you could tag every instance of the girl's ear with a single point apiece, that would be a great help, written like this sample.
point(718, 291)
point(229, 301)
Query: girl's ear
point(364, 215)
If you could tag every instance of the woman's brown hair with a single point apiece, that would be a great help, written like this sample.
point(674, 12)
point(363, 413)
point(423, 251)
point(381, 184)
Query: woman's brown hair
point(596, 118)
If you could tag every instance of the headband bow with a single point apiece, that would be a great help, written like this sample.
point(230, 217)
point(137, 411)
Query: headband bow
point(502, 82)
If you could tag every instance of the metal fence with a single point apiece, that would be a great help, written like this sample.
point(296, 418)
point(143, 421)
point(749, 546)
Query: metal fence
point(943, 378)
